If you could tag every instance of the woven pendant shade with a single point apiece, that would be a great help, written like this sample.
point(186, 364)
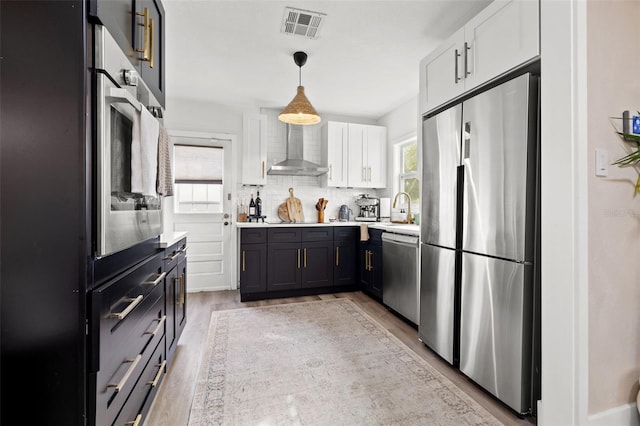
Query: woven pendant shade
point(299, 110)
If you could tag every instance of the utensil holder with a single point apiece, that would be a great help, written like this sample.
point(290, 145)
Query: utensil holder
point(320, 216)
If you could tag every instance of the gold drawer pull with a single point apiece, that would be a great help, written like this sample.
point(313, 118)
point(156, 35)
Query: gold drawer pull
point(156, 281)
point(151, 43)
point(135, 422)
point(337, 256)
point(158, 327)
point(134, 363)
point(305, 258)
point(133, 303)
point(158, 375)
point(243, 261)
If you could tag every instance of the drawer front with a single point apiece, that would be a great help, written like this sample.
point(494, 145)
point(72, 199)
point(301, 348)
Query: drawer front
point(253, 236)
point(341, 233)
point(285, 235)
point(174, 253)
point(323, 233)
point(129, 315)
point(139, 401)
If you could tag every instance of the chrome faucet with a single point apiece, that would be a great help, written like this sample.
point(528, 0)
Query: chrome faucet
point(395, 201)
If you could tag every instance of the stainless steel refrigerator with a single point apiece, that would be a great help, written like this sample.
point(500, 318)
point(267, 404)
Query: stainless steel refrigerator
point(479, 211)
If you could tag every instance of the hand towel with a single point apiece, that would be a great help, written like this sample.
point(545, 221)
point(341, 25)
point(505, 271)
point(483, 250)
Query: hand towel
point(364, 232)
point(165, 178)
point(144, 153)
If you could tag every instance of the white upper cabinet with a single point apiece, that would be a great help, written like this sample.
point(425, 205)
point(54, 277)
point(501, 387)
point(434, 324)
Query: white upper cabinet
point(440, 75)
point(355, 155)
point(335, 139)
point(254, 150)
point(501, 37)
point(367, 156)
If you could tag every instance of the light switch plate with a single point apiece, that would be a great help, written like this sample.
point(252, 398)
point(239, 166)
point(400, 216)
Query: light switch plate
point(602, 162)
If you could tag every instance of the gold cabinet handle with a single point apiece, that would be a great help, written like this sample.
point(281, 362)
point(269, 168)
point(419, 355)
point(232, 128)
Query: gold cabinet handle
point(132, 304)
point(263, 169)
point(145, 25)
point(337, 256)
point(158, 327)
point(298, 258)
point(157, 280)
point(243, 263)
point(370, 260)
point(151, 43)
point(134, 362)
point(135, 422)
point(305, 257)
point(158, 375)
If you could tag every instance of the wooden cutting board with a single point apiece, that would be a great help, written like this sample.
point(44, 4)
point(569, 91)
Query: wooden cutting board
point(294, 208)
point(283, 213)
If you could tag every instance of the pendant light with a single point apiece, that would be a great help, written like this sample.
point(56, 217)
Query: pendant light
point(299, 110)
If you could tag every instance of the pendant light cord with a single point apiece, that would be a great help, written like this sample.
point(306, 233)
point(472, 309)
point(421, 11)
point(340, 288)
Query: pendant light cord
point(299, 76)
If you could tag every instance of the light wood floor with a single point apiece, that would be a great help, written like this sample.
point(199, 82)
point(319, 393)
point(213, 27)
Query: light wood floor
point(173, 400)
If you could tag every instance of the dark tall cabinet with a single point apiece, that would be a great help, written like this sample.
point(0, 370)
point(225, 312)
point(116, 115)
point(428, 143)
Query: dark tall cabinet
point(371, 264)
point(45, 231)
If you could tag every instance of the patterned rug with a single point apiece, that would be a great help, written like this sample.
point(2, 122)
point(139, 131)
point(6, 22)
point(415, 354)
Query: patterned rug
point(319, 363)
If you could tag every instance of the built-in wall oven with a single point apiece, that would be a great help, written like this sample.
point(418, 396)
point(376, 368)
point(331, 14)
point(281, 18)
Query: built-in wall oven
point(124, 217)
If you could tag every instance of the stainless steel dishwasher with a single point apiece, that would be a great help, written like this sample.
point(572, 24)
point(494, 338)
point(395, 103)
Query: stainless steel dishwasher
point(400, 284)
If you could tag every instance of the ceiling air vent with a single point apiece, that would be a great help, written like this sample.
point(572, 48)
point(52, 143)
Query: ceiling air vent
point(302, 22)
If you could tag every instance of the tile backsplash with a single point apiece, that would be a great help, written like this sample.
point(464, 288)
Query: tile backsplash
point(306, 188)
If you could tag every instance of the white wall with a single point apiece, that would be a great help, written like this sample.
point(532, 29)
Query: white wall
point(401, 123)
point(614, 243)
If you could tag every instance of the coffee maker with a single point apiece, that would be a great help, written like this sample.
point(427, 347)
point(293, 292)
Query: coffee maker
point(369, 208)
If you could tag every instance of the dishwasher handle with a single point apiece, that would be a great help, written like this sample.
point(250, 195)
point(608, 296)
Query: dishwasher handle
point(400, 239)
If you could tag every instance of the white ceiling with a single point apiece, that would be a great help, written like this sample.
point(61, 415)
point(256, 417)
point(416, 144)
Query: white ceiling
point(364, 63)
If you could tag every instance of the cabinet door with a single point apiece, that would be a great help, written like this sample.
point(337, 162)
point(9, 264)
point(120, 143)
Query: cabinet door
point(375, 266)
point(356, 176)
point(253, 268)
point(254, 150)
point(284, 266)
point(181, 297)
point(335, 153)
point(501, 37)
point(317, 264)
point(345, 271)
point(376, 146)
point(170, 305)
point(118, 18)
point(152, 66)
point(363, 262)
point(443, 72)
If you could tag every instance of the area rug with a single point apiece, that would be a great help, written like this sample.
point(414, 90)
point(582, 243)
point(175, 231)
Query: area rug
point(319, 363)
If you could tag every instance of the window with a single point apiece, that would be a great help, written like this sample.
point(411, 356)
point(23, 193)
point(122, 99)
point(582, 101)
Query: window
point(406, 161)
point(198, 179)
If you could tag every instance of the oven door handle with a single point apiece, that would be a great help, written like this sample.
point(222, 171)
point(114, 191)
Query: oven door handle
point(122, 95)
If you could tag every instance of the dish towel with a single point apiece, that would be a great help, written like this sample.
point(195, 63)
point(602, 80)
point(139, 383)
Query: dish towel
point(364, 232)
point(144, 153)
point(165, 178)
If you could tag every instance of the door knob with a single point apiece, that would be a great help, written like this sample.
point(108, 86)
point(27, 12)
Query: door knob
point(226, 223)
point(226, 216)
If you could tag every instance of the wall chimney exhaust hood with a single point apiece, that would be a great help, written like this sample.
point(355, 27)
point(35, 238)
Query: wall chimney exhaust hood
point(295, 165)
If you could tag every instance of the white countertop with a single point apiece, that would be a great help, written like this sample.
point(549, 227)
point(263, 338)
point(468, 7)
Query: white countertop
point(170, 238)
point(397, 228)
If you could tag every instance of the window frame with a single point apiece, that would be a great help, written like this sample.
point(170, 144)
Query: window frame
point(398, 165)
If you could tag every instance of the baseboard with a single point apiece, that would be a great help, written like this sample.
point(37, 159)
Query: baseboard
point(624, 415)
point(199, 289)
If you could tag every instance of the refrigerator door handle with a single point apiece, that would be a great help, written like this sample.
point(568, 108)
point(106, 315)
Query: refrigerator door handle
point(467, 139)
